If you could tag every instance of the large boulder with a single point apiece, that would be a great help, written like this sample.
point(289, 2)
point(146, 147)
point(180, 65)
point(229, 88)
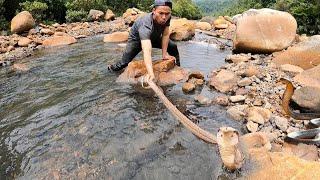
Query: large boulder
point(279, 165)
point(166, 73)
point(110, 16)
point(59, 39)
point(22, 22)
point(308, 97)
point(264, 31)
point(224, 81)
point(310, 77)
point(95, 15)
point(181, 29)
point(305, 54)
point(116, 37)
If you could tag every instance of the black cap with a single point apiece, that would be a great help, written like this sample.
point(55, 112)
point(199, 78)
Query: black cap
point(162, 3)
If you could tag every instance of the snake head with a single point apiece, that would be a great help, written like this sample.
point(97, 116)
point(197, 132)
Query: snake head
point(227, 136)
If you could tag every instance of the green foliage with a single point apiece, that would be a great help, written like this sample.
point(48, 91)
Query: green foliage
point(86, 5)
point(3, 22)
point(76, 16)
point(186, 9)
point(306, 12)
point(35, 8)
point(212, 7)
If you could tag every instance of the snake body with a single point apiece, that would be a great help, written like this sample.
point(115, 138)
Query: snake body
point(196, 130)
point(311, 136)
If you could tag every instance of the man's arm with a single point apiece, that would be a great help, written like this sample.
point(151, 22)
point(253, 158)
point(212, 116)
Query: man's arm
point(146, 49)
point(165, 41)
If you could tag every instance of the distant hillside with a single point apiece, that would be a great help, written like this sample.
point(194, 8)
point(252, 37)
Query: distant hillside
point(213, 7)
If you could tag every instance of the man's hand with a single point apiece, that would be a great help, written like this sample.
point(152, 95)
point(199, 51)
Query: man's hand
point(166, 56)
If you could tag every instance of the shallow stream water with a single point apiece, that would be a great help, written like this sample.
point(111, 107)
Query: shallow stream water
point(67, 118)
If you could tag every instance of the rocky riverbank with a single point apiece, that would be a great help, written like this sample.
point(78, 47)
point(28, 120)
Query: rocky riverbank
point(250, 81)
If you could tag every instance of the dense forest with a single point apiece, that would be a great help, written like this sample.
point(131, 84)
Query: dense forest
point(306, 12)
point(49, 11)
point(213, 7)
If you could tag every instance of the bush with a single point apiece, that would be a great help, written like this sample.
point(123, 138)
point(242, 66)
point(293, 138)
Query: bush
point(76, 16)
point(35, 8)
point(86, 5)
point(186, 9)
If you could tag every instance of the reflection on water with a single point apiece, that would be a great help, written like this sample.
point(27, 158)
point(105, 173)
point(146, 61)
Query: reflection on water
point(68, 118)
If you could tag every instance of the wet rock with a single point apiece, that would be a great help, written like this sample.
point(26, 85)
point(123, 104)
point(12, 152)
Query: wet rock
point(237, 112)
point(116, 37)
point(46, 31)
point(59, 39)
point(173, 76)
point(244, 82)
point(166, 73)
point(222, 100)
point(291, 69)
point(238, 98)
point(252, 127)
point(264, 31)
point(22, 22)
point(95, 15)
point(196, 74)
point(24, 42)
point(181, 29)
point(237, 58)
point(258, 115)
point(203, 26)
point(221, 23)
point(188, 87)
point(224, 81)
point(281, 123)
point(310, 77)
point(202, 100)
point(20, 67)
point(305, 54)
point(308, 97)
point(110, 16)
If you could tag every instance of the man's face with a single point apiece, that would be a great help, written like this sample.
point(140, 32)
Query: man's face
point(161, 14)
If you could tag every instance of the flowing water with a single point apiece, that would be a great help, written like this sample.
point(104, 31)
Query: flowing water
point(67, 118)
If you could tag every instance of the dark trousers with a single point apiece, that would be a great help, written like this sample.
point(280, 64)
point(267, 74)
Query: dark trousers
point(134, 47)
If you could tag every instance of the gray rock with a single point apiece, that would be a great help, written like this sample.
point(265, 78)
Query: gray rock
point(281, 123)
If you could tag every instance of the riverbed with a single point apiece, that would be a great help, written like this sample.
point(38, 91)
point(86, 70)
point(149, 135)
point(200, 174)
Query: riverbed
point(66, 117)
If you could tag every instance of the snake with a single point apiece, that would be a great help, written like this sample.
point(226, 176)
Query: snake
point(310, 136)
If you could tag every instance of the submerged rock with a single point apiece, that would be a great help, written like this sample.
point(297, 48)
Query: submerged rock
point(264, 31)
point(116, 37)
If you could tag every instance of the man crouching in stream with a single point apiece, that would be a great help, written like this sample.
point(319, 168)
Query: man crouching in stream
point(150, 31)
